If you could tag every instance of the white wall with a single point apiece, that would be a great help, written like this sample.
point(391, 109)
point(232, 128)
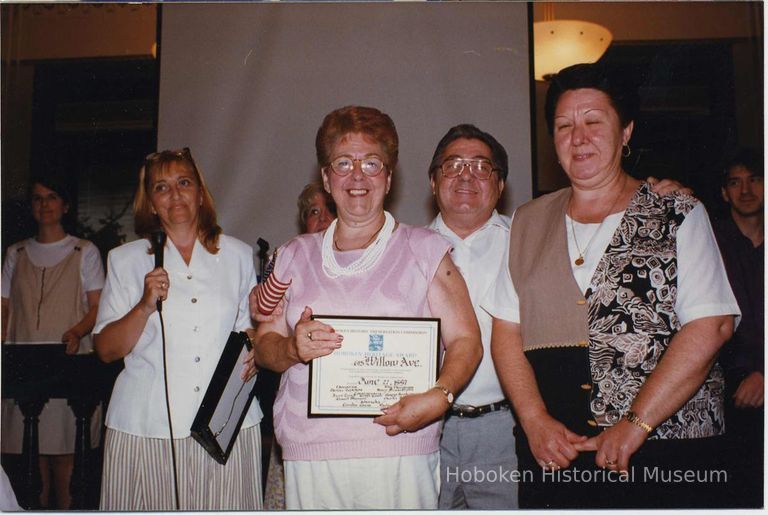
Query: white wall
point(246, 86)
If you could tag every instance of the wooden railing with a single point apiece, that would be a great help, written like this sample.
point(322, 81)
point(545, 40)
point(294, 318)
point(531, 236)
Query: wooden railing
point(33, 374)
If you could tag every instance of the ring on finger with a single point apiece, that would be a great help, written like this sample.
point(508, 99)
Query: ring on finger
point(309, 335)
point(610, 463)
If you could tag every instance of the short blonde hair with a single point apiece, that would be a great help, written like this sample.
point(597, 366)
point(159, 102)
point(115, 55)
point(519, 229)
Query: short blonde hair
point(305, 202)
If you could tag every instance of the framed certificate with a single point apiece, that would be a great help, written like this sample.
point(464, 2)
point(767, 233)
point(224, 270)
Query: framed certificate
point(381, 360)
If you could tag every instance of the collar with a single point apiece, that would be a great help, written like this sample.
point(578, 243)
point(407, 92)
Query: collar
point(726, 228)
point(496, 220)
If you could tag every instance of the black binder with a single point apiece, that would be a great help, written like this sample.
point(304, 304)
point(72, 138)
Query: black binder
point(226, 401)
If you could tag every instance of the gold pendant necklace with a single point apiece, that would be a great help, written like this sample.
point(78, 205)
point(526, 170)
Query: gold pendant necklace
point(580, 260)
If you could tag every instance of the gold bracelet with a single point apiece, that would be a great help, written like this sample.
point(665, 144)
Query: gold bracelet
point(632, 417)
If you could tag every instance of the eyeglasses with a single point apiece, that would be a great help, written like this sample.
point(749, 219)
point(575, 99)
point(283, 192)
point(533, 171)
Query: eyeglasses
point(168, 154)
point(344, 165)
point(479, 168)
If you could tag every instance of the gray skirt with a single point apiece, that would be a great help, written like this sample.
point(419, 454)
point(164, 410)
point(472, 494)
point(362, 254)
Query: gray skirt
point(138, 476)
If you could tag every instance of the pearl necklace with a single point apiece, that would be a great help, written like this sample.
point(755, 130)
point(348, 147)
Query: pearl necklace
point(364, 263)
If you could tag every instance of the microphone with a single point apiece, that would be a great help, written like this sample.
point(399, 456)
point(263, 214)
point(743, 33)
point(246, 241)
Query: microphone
point(263, 256)
point(158, 246)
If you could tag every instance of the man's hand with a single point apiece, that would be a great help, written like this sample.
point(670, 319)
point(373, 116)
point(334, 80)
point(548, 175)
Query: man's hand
point(751, 391)
point(666, 187)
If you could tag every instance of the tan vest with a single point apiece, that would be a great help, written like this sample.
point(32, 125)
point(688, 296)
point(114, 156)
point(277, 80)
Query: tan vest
point(553, 311)
point(45, 302)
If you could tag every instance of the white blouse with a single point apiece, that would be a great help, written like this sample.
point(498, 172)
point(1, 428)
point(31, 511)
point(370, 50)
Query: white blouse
point(703, 288)
point(206, 301)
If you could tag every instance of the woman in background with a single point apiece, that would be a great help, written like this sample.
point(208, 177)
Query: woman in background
point(50, 293)
point(316, 208)
point(316, 212)
point(203, 285)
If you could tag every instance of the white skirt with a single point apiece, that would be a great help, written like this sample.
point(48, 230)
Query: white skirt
point(398, 483)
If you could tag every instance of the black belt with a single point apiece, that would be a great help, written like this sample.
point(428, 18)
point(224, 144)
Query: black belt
point(476, 411)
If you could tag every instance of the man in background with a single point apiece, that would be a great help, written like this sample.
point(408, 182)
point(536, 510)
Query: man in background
point(740, 236)
point(477, 449)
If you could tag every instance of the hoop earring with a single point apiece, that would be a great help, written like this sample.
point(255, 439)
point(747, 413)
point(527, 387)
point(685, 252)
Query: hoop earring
point(627, 152)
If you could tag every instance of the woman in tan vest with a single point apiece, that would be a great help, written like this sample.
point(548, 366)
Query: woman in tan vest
point(608, 317)
point(50, 293)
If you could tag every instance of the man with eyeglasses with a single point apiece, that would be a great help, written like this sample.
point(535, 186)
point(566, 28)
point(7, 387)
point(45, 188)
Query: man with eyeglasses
point(478, 464)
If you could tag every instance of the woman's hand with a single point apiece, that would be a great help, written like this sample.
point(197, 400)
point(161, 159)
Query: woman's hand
point(249, 362)
point(313, 339)
point(552, 444)
point(253, 306)
point(413, 412)
point(72, 340)
point(156, 286)
point(615, 446)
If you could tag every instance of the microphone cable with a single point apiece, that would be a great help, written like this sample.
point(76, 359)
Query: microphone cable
point(168, 409)
point(158, 239)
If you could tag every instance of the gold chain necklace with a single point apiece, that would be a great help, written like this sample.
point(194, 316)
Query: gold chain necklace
point(373, 236)
point(580, 260)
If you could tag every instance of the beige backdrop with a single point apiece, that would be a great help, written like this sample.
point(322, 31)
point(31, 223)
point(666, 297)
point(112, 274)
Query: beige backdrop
point(246, 86)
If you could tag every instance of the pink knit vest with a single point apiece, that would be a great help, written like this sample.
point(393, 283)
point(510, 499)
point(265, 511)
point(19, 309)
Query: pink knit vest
point(396, 287)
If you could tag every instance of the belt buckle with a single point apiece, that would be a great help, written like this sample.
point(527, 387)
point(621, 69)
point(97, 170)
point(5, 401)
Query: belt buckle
point(465, 411)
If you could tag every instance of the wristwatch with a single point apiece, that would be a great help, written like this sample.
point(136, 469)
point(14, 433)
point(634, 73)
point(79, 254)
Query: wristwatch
point(446, 391)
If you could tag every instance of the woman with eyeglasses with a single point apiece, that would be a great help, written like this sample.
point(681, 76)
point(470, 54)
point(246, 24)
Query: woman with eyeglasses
point(51, 288)
point(364, 264)
point(203, 286)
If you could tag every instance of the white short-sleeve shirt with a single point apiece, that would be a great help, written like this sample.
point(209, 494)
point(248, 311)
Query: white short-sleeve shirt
point(207, 299)
point(698, 258)
point(478, 257)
